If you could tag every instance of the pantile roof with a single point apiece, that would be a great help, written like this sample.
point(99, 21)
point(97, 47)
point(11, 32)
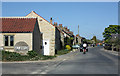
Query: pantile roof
point(17, 24)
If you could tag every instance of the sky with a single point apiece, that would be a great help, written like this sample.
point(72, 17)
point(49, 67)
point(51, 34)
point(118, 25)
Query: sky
point(92, 17)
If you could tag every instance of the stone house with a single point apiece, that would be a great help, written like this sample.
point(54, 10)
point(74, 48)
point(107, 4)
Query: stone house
point(65, 35)
point(61, 36)
point(53, 37)
point(20, 35)
point(78, 39)
point(51, 34)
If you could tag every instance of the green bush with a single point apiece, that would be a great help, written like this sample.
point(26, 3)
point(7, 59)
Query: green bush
point(10, 56)
point(32, 53)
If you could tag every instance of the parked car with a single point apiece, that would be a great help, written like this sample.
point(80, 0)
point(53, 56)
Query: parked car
point(75, 46)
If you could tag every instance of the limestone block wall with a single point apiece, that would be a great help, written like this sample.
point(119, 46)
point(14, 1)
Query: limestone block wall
point(37, 40)
point(58, 43)
point(1, 40)
point(48, 34)
point(48, 31)
point(26, 37)
point(62, 39)
point(74, 42)
point(79, 40)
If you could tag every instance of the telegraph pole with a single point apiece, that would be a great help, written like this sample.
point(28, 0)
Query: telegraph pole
point(78, 29)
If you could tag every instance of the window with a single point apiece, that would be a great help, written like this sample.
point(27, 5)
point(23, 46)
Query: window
point(9, 40)
point(45, 43)
point(6, 41)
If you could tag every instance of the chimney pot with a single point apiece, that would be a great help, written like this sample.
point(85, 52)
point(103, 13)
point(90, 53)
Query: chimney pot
point(60, 25)
point(51, 20)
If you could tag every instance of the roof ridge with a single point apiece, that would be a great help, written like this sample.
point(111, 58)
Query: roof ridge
point(41, 17)
point(19, 17)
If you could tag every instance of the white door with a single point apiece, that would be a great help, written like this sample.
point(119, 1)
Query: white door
point(46, 47)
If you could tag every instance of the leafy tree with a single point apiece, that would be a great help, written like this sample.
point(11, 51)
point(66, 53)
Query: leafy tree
point(84, 40)
point(112, 29)
point(94, 38)
point(87, 41)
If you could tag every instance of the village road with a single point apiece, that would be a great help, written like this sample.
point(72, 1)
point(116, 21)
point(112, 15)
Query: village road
point(95, 61)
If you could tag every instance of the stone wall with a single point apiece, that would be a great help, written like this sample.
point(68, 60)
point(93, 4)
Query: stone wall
point(1, 40)
point(37, 39)
point(48, 31)
point(18, 37)
point(58, 43)
point(62, 40)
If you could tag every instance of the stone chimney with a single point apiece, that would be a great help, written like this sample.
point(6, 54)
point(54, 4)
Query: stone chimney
point(51, 20)
point(55, 23)
point(72, 33)
point(68, 29)
point(65, 27)
point(60, 25)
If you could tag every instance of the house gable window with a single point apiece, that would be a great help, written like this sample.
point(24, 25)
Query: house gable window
point(8, 40)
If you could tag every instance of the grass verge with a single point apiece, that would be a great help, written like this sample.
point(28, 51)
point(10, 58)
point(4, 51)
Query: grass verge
point(61, 52)
point(32, 56)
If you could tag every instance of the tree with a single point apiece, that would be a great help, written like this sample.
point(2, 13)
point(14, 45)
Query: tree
point(88, 41)
point(109, 33)
point(94, 38)
point(117, 44)
point(84, 40)
point(112, 29)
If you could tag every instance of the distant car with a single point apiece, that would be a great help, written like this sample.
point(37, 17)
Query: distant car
point(75, 46)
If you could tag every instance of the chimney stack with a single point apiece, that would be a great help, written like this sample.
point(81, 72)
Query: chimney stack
point(51, 20)
point(71, 32)
point(68, 29)
point(55, 23)
point(60, 25)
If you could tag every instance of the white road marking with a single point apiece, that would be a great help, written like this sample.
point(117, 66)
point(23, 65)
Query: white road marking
point(45, 72)
point(36, 72)
point(64, 59)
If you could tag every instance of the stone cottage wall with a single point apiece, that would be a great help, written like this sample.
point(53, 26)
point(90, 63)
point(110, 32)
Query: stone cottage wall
point(18, 37)
point(58, 42)
point(48, 31)
point(37, 39)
